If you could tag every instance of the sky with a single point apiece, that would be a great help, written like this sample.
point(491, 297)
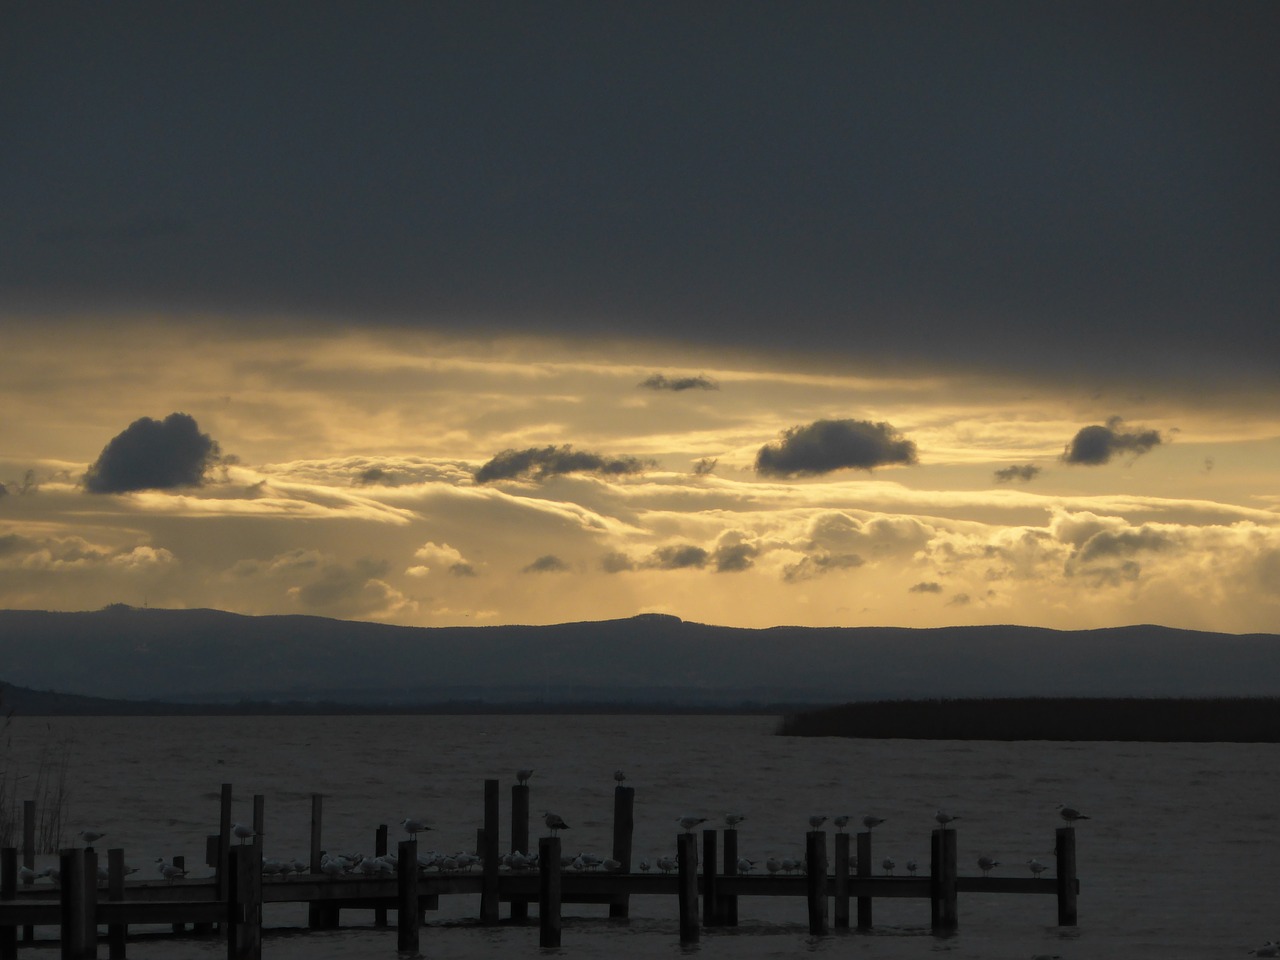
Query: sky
point(879, 313)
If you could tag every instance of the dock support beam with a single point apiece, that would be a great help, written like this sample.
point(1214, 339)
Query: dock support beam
point(728, 903)
point(29, 854)
point(408, 916)
point(815, 858)
point(117, 933)
point(1065, 851)
point(687, 860)
point(8, 890)
point(380, 850)
point(520, 839)
point(489, 855)
point(79, 869)
point(942, 872)
point(244, 907)
point(864, 870)
point(840, 911)
point(549, 892)
point(624, 799)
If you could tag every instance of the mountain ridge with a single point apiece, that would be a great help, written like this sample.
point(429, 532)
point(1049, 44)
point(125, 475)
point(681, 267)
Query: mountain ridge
point(212, 655)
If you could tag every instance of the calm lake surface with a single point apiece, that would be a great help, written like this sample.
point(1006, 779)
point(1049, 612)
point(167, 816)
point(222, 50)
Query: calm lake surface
point(1180, 859)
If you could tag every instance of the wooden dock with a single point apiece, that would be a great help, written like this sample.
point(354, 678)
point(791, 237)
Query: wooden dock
point(706, 890)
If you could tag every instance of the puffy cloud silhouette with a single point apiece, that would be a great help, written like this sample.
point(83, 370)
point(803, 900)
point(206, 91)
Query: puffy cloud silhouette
point(1024, 472)
point(827, 445)
point(925, 587)
point(818, 564)
point(1097, 444)
point(660, 382)
point(539, 463)
point(678, 557)
point(547, 563)
point(154, 455)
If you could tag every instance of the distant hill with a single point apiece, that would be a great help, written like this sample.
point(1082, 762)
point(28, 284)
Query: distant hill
point(209, 655)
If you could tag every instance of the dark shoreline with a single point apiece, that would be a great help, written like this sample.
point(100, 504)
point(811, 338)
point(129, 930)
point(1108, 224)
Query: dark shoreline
point(1149, 720)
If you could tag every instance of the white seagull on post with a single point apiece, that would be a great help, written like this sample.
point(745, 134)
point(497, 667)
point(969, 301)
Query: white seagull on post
point(554, 822)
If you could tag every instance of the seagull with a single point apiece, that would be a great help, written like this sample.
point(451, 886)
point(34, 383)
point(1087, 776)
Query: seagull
point(522, 776)
point(645, 866)
point(619, 776)
point(413, 827)
point(912, 867)
point(554, 822)
point(89, 836)
point(1035, 866)
point(888, 864)
point(1268, 949)
point(169, 871)
point(841, 822)
point(944, 818)
point(1070, 814)
point(773, 864)
point(667, 864)
point(688, 823)
point(871, 822)
point(611, 865)
point(26, 875)
point(731, 820)
point(242, 832)
point(987, 864)
point(817, 820)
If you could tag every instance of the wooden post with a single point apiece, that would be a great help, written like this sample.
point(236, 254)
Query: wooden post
point(710, 908)
point(864, 870)
point(317, 914)
point(623, 827)
point(729, 902)
point(841, 909)
point(8, 891)
point(687, 858)
point(379, 850)
point(942, 871)
point(29, 854)
point(489, 855)
point(259, 823)
point(181, 863)
point(549, 901)
point(815, 858)
point(244, 907)
point(116, 932)
point(1065, 851)
point(520, 838)
point(79, 897)
point(408, 915)
point(224, 842)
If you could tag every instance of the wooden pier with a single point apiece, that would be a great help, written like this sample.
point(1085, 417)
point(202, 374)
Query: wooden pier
point(706, 893)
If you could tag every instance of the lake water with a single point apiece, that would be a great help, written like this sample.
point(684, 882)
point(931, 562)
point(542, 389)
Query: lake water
point(1180, 859)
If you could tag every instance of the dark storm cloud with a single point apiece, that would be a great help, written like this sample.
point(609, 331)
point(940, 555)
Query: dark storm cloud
point(616, 562)
point(882, 180)
point(341, 586)
point(154, 455)
point(734, 558)
point(462, 569)
point(925, 587)
point(1097, 444)
point(372, 476)
point(1024, 472)
point(827, 445)
point(547, 563)
point(677, 384)
point(706, 466)
point(1123, 543)
point(541, 463)
point(818, 564)
point(678, 557)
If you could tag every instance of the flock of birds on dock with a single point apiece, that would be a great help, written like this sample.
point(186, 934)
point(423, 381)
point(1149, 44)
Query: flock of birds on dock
point(387, 865)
